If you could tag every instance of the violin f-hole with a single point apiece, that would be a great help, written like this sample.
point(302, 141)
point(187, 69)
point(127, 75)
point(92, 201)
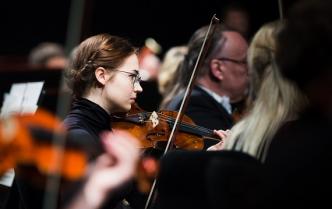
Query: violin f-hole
point(153, 136)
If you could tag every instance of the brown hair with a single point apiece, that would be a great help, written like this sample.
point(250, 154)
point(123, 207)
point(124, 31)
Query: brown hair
point(101, 50)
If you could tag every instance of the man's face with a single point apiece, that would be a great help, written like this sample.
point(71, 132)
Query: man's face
point(235, 71)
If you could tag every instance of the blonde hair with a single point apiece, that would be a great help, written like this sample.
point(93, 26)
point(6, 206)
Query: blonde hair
point(275, 99)
point(173, 57)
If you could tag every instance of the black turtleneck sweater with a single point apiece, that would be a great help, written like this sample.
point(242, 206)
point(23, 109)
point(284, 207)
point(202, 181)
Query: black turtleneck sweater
point(85, 122)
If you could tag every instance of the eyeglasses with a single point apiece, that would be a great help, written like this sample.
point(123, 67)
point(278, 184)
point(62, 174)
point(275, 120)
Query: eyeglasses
point(240, 62)
point(135, 76)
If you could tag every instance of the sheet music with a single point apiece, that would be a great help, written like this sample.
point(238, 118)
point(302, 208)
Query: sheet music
point(31, 96)
point(13, 100)
point(22, 98)
point(7, 178)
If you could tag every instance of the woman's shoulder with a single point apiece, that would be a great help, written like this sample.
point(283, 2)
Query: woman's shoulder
point(83, 139)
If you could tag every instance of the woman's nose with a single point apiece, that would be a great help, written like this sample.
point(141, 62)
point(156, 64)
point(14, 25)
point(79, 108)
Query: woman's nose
point(138, 88)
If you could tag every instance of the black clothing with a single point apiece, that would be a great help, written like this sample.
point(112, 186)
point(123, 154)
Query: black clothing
point(299, 163)
point(88, 116)
point(85, 122)
point(208, 180)
point(205, 111)
point(10, 197)
point(296, 174)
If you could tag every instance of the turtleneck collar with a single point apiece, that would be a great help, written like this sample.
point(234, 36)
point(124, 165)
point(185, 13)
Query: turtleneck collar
point(87, 114)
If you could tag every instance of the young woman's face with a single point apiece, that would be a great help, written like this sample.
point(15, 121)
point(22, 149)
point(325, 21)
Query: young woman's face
point(121, 90)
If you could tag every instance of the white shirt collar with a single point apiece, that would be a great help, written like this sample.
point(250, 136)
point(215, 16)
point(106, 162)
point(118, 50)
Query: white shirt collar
point(223, 100)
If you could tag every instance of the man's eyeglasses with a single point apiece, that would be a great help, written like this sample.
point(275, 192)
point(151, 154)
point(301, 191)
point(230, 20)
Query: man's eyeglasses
point(240, 62)
point(136, 78)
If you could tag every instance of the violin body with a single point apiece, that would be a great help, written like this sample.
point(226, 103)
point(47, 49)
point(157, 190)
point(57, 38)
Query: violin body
point(152, 127)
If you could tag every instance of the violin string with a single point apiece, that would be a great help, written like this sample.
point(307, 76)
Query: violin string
point(187, 125)
point(183, 124)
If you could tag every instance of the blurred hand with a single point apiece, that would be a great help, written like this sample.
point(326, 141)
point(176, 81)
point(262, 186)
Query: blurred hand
point(110, 170)
point(222, 135)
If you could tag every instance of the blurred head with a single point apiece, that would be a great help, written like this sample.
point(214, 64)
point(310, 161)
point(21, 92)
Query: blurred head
point(261, 55)
point(49, 55)
point(104, 68)
point(236, 17)
point(171, 61)
point(307, 40)
point(267, 84)
point(149, 62)
point(304, 52)
point(273, 98)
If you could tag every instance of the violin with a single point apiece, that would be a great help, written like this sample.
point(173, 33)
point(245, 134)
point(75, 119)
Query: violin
point(26, 140)
point(150, 128)
point(153, 127)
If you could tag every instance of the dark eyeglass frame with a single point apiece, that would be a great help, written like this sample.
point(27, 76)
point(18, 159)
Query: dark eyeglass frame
point(136, 78)
point(239, 62)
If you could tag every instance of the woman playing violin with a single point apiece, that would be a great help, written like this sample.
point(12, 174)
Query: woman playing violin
point(104, 79)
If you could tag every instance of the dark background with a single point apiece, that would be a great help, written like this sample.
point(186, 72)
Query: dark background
point(170, 22)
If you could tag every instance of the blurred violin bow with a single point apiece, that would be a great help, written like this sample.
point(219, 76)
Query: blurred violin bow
point(281, 13)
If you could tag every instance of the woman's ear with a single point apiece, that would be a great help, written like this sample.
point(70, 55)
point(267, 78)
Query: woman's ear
point(217, 69)
point(101, 75)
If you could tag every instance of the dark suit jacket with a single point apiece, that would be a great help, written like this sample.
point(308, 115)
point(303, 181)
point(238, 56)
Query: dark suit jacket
point(205, 111)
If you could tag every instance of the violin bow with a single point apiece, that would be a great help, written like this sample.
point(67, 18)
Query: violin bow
point(281, 13)
point(73, 36)
point(201, 56)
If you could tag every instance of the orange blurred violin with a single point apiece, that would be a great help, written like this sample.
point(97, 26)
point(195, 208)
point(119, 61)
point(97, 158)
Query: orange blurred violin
point(153, 127)
point(20, 146)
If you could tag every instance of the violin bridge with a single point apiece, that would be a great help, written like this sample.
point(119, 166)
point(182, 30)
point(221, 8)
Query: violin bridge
point(154, 119)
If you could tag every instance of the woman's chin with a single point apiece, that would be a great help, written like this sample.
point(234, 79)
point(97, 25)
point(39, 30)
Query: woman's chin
point(127, 107)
